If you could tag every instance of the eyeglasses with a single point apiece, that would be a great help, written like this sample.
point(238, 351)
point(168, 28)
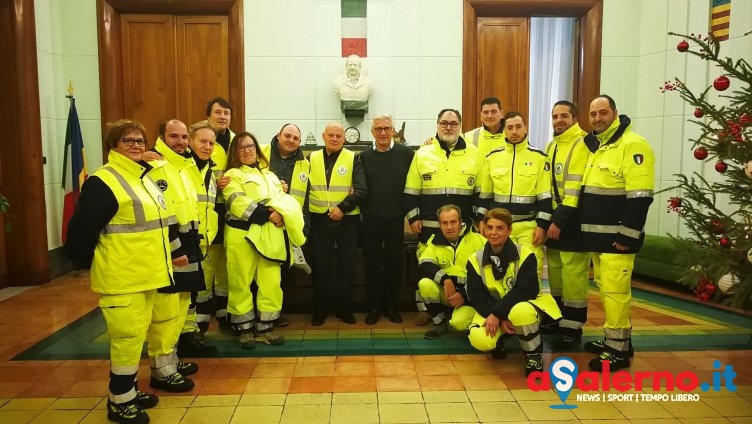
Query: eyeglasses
point(445, 124)
point(247, 148)
point(129, 142)
point(379, 130)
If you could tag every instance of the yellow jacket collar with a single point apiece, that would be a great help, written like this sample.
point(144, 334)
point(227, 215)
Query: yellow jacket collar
point(137, 169)
point(571, 135)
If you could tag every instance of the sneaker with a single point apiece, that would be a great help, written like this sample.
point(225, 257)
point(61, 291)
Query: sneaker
point(616, 361)
point(146, 400)
point(126, 413)
point(187, 368)
point(598, 346)
point(190, 347)
point(533, 362)
point(281, 322)
point(422, 319)
point(174, 383)
point(246, 341)
point(269, 338)
point(500, 351)
point(565, 342)
point(437, 331)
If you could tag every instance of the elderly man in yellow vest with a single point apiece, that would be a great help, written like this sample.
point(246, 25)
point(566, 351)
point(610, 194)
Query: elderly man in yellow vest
point(337, 187)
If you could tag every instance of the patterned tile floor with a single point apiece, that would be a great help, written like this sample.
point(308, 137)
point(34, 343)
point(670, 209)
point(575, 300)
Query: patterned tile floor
point(342, 373)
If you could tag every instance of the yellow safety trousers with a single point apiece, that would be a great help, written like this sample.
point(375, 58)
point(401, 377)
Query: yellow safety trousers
point(246, 265)
point(127, 317)
point(461, 316)
point(613, 275)
point(522, 235)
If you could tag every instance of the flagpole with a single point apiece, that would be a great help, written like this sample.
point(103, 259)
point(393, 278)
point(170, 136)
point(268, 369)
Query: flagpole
point(81, 273)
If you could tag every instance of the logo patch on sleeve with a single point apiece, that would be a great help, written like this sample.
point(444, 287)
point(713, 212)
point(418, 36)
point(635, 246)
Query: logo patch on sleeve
point(471, 181)
point(162, 184)
point(638, 158)
point(426, 177)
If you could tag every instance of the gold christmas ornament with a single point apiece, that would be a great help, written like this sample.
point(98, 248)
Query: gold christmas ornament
point(727, 284)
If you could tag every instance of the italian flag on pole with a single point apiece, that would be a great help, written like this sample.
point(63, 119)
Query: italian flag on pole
point(74, 166)
point(354, 28)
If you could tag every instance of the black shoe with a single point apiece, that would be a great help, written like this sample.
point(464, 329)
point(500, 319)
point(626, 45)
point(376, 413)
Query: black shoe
point(565, 342)
point(126, 413)
point(190, 347)
point(393, 316)
point(500, 351)
point(616, 361)
point(372, 317)
point(533, 362)
point(598, 346)
point(187, 368)
point(318, 319)
point(549, 329)
point(347, 317)
point(281, 322)
point(146, 400)
point(174, 383)
point(225, 326)
point(437, 331)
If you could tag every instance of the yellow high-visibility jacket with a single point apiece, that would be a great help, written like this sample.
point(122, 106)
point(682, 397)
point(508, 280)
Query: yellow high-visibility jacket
point(617, 189)
point(516, 178)
point(438, 177)
point(567, 157)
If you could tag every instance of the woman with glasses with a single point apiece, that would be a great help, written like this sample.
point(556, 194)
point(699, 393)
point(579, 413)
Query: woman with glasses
point(260, 218)
point(120, 232)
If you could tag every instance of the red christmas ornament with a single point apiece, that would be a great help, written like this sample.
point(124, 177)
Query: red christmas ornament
point(682, 46)
point(745, 119)
point(701, 153)
point(717, 227)
point(699, 113)
point(725, 242)
point(705, 297)
point(721, 83)
point(721, 167)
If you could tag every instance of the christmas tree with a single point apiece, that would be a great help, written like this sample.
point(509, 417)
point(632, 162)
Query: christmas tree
point(717, 211)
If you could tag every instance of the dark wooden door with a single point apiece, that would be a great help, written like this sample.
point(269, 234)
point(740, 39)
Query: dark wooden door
point(503, 56)
point(171, 66)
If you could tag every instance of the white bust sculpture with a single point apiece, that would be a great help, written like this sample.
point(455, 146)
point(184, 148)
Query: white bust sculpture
point(352, 85)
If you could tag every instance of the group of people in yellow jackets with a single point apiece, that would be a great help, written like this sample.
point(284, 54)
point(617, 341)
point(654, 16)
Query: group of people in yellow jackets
point(175, 235)
point(147, 225)
point(585, 198)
